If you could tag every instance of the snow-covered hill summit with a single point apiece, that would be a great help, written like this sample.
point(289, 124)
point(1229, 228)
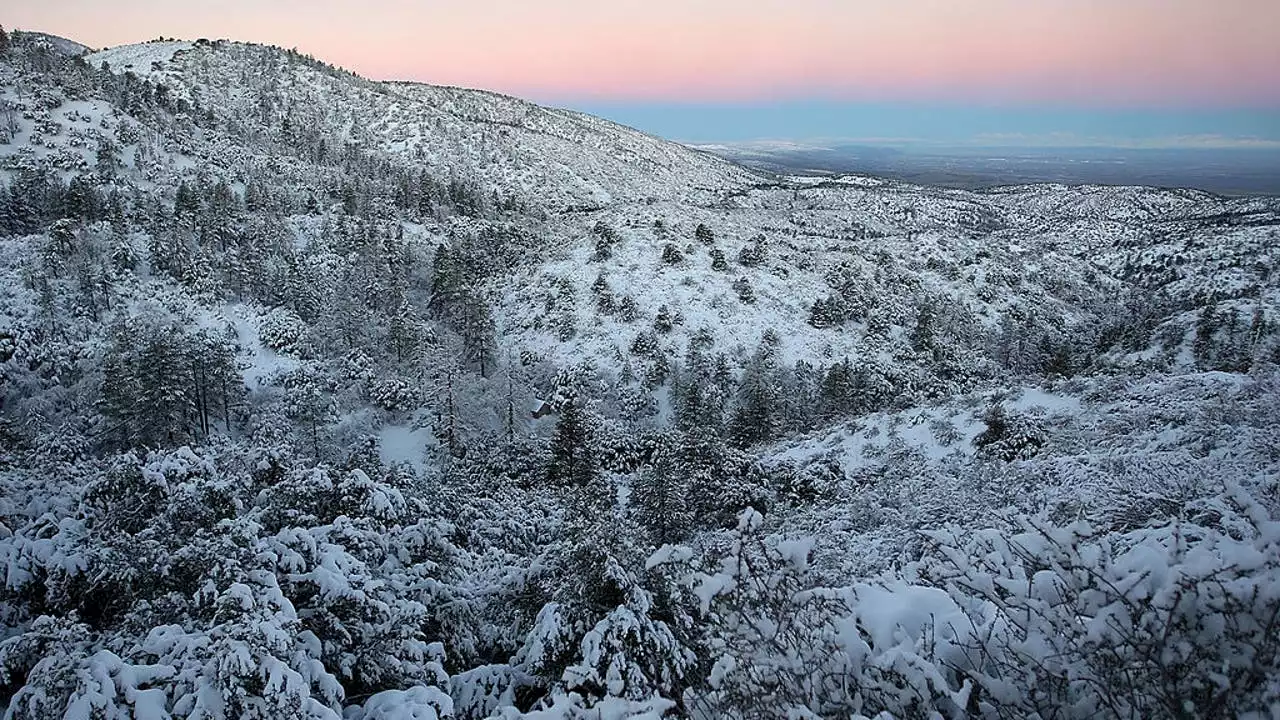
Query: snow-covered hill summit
point(559, 158)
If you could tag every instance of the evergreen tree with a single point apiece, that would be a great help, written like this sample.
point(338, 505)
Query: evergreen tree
point(478, 344)
point(310, 401)
point(1203, 345)
point(22, 217)
point(671, 255)
point(923, 335)
point(663, 322)
point(825, 312)
point(701, 392)
point(163, 387)
point(403, 331)
point(798, 397)
point(755, 414)
point(838, 394)
point(753, 253)
point(628, 311)
point(574, 459)
point(660, 496)
point(446, 282)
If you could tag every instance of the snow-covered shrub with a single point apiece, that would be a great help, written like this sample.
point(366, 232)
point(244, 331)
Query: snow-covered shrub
point(1171, 621)
point(284, 332)
point(395, 395)
point(253, 663)
point(610, 630)
point(1009, 436)
point(416, 703)
point(671, 254)
point(778, 646)
point(753, 253)
point(573, 706)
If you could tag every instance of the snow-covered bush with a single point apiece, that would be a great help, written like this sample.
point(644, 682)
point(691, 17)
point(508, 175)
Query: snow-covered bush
point(1050, 622)
point(1171, 621)
point(395, 395)
point(1009, 436)
point(283, 331)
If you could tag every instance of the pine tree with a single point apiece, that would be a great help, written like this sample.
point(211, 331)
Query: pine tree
point(601, 285)
point(701, 392)
point(574, 461)
point(22, 218)
point(752, 254)
point(659, 497)
point(161, 387)
point(924, 335)
point(838, 393)
point(663, 322)
point(755, 413)
point(478, 343)
point(216, 384)
point(798, 397)
point(718, 261)
point(402, 330)
point(823, 314)
point(628, 311)
point(446, 283)
point(1202, 347)
point(309, 400)
point(605, 301)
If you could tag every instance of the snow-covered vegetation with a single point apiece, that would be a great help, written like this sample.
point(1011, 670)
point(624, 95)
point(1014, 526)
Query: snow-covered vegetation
point(330, 398)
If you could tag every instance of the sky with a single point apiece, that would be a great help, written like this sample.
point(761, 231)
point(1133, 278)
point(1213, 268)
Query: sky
point(1185, 72)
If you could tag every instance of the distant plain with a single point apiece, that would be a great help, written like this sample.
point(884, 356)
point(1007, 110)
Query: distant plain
point(1225, 171)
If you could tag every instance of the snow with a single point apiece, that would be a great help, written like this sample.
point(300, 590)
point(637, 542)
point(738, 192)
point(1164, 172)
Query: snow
point(261, 364)
point(1032, 398)
point(711, 586)
point(139, 58)
point(796, 552)
point(890, 615)
point(668, 554)
point(570, 707)
point(404, 444)
point(417, 703)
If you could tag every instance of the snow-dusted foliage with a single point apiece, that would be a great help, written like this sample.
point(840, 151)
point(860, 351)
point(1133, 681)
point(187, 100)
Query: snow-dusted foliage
point(329, 398)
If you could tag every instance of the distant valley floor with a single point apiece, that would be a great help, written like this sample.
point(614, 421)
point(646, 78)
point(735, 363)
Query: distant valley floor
point(1225, 171)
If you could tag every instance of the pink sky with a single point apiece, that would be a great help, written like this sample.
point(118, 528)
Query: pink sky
point(1093, 52)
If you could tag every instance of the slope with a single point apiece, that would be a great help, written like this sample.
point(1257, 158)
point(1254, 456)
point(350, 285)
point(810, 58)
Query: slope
point(556, 159)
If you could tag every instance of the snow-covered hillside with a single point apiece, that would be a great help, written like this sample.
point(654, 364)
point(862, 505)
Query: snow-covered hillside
point(557, 158)
point(326, 398)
